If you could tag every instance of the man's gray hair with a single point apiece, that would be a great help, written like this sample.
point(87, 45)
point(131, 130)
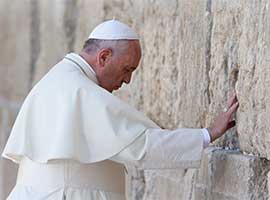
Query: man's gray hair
point(94, 45)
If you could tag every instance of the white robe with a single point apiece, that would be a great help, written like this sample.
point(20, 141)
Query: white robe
point(67, 116)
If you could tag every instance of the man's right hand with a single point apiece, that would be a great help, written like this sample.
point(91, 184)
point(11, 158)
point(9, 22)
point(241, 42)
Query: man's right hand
point(224, 121)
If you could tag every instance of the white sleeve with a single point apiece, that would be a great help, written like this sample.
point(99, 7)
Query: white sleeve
point(206, 138)
point(160, 148)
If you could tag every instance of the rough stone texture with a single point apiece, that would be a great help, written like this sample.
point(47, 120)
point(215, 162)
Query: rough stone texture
point(15, 49)
point(225, 28)
point(254, 79)
point(240, 59)
point(8, 170)
point(169, 184)
point(194, 53)
point(229, 175)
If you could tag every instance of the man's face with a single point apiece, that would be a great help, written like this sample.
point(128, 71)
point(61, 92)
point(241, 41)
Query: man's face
point(119, 67)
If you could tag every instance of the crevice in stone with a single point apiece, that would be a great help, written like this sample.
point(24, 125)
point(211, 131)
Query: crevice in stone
point(35, 39)
point(193, 183)
point(225, 67)
point(234, 142)
point(70, 22)
point(209, 20)
point(231, 140)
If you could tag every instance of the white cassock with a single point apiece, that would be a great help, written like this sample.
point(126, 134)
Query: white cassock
point(72, 139)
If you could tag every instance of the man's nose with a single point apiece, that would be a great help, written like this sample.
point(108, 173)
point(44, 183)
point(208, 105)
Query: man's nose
point(127, 79)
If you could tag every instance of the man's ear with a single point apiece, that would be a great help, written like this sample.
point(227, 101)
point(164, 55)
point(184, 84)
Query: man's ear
point(104, 56)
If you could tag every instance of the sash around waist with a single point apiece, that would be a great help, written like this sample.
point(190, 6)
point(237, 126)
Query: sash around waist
point(106, 175)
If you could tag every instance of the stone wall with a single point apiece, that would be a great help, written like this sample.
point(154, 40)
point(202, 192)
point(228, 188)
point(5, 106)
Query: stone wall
point(194, 53)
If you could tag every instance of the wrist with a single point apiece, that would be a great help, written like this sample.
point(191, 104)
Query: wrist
point(210, 134)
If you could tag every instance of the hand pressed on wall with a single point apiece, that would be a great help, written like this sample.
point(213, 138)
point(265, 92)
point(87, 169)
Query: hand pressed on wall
point(224, 121)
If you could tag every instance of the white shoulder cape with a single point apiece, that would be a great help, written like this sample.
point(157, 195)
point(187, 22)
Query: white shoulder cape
point(67, 115)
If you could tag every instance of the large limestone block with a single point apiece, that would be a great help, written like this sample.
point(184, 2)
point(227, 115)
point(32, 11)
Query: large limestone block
point(171, 84)
point(169, 184)
point(226, 29)
point(15, 51)
point(254, 79)
point(174, 65)
point(240, 61)
point(230, 175)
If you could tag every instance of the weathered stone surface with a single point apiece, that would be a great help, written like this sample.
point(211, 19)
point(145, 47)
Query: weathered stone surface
point(228, 175)
point(174, 72)
point(15, 38)
point(169, 184)
point(254, 80)
point(225, 31)
point(8, 170)
point(240, 60)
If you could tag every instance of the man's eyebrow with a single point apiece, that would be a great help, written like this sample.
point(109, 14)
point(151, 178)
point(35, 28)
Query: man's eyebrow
point(130, 67)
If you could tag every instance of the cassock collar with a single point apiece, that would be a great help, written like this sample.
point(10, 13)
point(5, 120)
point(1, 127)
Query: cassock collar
point(83, 65)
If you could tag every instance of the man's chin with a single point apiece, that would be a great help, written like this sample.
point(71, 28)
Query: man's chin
point(108, 89)
point(112, 89)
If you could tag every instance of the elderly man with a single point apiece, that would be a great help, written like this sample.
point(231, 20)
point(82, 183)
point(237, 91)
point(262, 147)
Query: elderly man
point(72, 137)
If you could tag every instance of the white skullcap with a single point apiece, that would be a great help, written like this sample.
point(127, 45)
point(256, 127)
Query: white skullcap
point(113, 30)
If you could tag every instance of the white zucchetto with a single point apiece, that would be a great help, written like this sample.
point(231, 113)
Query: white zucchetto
point(113, 30)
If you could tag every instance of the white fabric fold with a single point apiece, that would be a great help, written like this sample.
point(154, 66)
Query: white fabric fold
point(164, 149)
point(69, 180)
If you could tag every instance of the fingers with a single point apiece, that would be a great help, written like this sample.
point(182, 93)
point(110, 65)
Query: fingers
point(233, 108)
point(232, 99)
point(224, 121)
